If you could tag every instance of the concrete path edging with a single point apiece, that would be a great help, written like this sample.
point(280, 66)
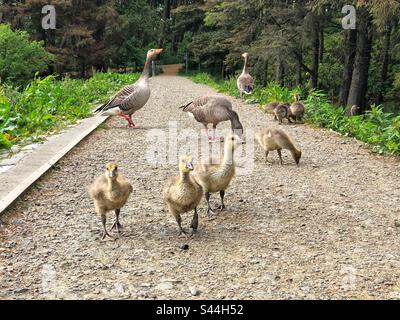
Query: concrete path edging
point(19, 178)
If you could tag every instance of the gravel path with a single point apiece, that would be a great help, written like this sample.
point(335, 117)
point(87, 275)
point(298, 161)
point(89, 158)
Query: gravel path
point(327, 229)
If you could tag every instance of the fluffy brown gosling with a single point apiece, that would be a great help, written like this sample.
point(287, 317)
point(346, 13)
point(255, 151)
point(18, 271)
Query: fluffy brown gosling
point(270, 107)
point(110, 191)
point(217, 177)
point(281, 112)
point(182, 194)
point(296, 110)
point(271, 139)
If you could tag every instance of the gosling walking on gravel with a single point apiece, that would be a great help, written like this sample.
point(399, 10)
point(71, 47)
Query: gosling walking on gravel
point(271, 139)
point(217, 177)
point(110, 191)
point(182, 194)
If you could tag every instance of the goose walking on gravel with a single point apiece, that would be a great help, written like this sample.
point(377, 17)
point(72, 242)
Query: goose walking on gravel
point(245, 82)
point(132, 97)
point(214, 109)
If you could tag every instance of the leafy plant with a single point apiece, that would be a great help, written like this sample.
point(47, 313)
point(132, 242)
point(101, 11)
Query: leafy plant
point(19, 57)
point(49, 104)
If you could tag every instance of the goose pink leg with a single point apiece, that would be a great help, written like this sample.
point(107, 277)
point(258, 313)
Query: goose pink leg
point(129, 119)
point(214, 139)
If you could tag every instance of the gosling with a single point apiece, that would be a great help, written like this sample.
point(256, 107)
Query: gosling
point(281, 112)
point(182, 194)
point(271, 139)
point(270, 107)
point(110, 191)
point(217, 177)
point(296, 110)
point(354, 110)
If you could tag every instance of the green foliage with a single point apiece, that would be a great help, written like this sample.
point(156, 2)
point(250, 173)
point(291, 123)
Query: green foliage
point(19, 57)
point(49, 104)
point(139, 32)
point(379, 129)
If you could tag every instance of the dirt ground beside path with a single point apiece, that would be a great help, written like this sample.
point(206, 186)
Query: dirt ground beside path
point(327, 229)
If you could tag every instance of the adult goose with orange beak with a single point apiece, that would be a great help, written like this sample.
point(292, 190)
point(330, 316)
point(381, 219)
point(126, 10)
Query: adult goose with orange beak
point(132, 97)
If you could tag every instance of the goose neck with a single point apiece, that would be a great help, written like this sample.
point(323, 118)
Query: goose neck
point(245, 65)
point(146, 69)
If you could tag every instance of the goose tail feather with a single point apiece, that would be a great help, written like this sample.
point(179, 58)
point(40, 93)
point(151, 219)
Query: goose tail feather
point(185, 106)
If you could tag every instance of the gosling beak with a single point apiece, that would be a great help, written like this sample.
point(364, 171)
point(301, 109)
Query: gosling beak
point(112, 174)
point(189, 165)
point(158, 51)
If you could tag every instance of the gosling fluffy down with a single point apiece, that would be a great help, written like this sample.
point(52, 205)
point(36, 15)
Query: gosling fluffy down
point(182, 194)
point(217, 177)
point(271, 139)
point(110, 191)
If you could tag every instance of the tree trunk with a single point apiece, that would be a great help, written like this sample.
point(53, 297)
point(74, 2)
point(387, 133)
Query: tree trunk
point(315, 53)
point(280, 72)
point(265, 78)
point(167, 9)
point(321, 44)
point(83, 68)
point(359, 81)
point(385, 66)
point(299, 70)
point(350, 54)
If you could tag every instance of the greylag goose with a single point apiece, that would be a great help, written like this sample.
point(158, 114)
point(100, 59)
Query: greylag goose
point(217, 177)
point(214, 109)
point(131, 97)
point(245, 81)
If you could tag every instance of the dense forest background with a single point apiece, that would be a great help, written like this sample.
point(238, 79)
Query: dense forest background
point(296, 42)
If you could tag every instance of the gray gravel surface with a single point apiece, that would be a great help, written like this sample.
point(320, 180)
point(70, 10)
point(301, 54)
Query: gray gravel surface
point(327, 229)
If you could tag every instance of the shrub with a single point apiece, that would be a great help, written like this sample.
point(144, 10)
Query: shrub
point(49, 104)
point(20, 58)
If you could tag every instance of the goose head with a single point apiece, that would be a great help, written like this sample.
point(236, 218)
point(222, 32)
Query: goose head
point(245, 55)
point(232, 141)
point(111, 171)
point(185, 164)
point(153, 53)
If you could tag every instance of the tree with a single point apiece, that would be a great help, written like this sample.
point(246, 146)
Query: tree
point(359, 81)
point(20, 58)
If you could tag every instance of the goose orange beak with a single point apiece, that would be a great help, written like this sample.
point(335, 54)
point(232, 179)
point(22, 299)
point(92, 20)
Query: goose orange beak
point(158, 51)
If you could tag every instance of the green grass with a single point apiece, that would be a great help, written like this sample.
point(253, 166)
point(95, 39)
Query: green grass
point(48, 105)
point(379, 129)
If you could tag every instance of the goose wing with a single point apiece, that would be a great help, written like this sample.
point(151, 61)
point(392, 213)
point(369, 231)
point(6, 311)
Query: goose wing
point(123, 100)
point(209, 109)
point(245, 83)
